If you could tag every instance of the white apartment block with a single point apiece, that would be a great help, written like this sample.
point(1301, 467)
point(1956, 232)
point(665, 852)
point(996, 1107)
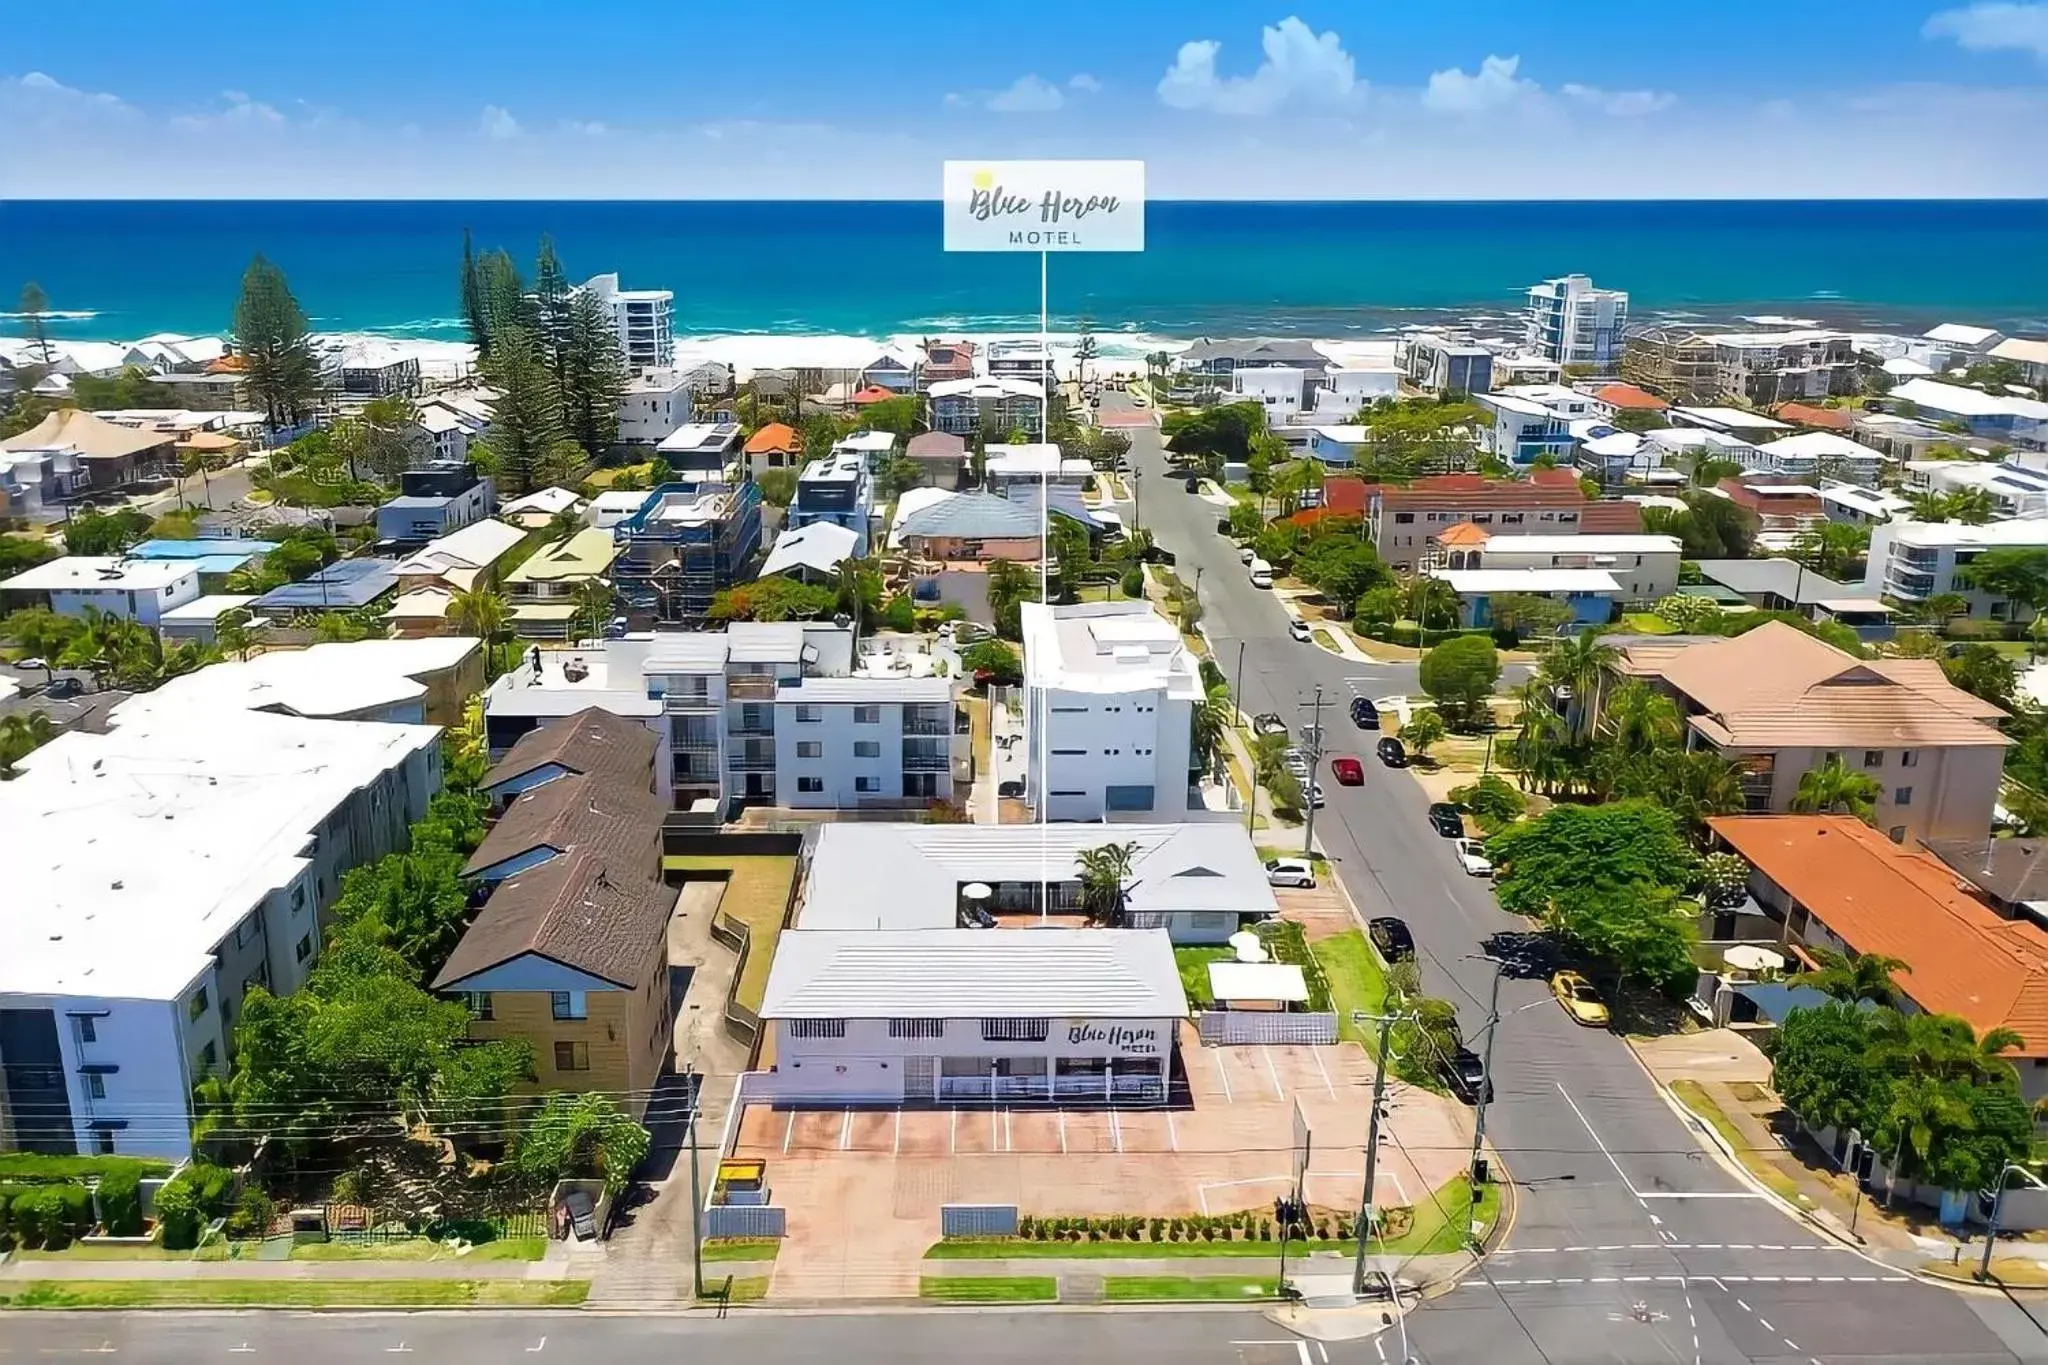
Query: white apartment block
point(1645, 567)
point(159, 872)
point(1569, 321)
point(139, 589)
point(1026, 359)
point(849, 743)
point(655, 404)
point(1347, 389)
point(2018, 490)
point(1911, 561)
point(643, 318)
point(1280, 389)
point(1110, 693)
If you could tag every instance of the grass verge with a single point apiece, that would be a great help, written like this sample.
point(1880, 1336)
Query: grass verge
point(989, 1288)
point(1007, 1249)
point(294, 1293)
point(1443, 1224)
point(1648, 623)
point(2015, 1271)
point(509, 1249)
point(1358, 981)
point(1694, 1096)
point(742, 1249)
point(745, 1289)
point(1189, 1288)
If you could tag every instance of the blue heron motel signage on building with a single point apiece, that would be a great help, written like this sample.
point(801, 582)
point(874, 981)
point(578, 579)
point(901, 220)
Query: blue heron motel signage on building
point(1047, 206)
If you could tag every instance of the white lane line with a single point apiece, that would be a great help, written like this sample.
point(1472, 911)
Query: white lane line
point(540, 1345)
point(1590, 1132)
point(1696, 1194)
point(1317, 1054)
point(1223, 1076)
point(1302, 1346)
point(895, 1146)
point(1271, 1074)
point(1324, 1352)
point(1063, 1132)
point(1692, 1320)
point(953, 1134)
point(846, 1130)
point(1009, 1141)
point(1570, 1250)
point(1116, 1129)
point(994, 1139)
point(246, 1348)
point(1766, 1322)
point(1172, 1133)
point(788, 1130)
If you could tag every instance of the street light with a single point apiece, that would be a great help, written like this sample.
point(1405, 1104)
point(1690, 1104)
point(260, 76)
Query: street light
point(1998, 1206)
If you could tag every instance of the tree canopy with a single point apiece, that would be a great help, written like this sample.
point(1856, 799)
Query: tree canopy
point(1571, 849)
point(1225, 430)
point(275, 347)
point(1459, 674)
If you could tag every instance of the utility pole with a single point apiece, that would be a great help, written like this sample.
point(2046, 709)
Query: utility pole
point(1997, 1207)
point(692, 1081)
point(1366, 1215)
point(1251, 801)
point(1485, 1077)
point(1137, 508)
point(1314, 750)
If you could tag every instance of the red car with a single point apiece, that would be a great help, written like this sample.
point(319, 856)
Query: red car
point(1348, 771)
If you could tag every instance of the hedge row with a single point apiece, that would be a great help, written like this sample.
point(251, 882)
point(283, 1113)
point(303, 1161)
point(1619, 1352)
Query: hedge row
point(47, 1216)
point(34, 1168)
point(1224, 1227)
point(198, 1196)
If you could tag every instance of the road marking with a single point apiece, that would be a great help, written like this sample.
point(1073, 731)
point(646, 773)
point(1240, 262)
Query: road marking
point(953, 1135)
point(1596, 1139)
point(1116, 1129)
point(1766, 1322)
point(540, 1345)
point(1324, 1352)
point(1223, 1076)
point(400, 1349)
point(1317, 1054)
point(1570, 1250)
point(1379, 1350)
point(788, 1131)
point(1172, 1134)
point(1009, 1139)
point(1063, 1130)
point(1692, 1320)
point(1696, 1194)
point(1271, 1074)
point(894, 1147)
point(245, 1349)
point(845, 1129)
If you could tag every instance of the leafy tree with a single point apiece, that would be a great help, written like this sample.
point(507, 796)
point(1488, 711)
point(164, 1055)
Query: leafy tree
point(821, 431)
point(21, 733)
point(1690, 613)
point(1225, 431)
point(1710, 527)
point(1430, 602)
point(1269, 770)
point(1523, 614)
point(594, 598)
point(1694, 785)
point(993, 661)
point(1105, 874)
point(1577, 848)
point(1834, 788)
point(1833, 547)
point(899, 614)
point(19, 553)
point(1821, 1066)
point(1424, 727)
point(1867, 976)
point(1379, 606)
point(2017, 574)
point(1638, 718)
point(902, 416)
point(1294, 481)
point(777, 598)
point(1983, 672)
point(1642, 930)
point(413, 903)
point(1343, 566)
point(1578, 666)
point(133, 387)
point(580, 1137)
point(1493, 801)
point(105, 533)
point(1278, 543)
point(592, 375)
point(1405, 440)
point(1460, 674)
point(778, 486)
point(275, 347)
point(1009, 585)
point(1708, 471)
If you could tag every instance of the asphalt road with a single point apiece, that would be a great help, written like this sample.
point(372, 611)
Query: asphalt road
point(1628, 1242)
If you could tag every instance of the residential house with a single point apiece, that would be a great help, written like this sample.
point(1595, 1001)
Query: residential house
point(1644, 567)
point(221, 387)
point(1347, 390)
point(2021, 422)
point(1281, 391)
point(545, 591)
point(345, 585)
point(1911, 561)
point(874, 448)
point(953, 527)
point(1838, 420)
point(852, 743)
point(430, 579)
point(894, 370)
point(1782, 509)
point(1813, 454)
point(1436, 364)
point(1220, 359)
point(34, 482)
point(940, 457)
point(655, 403)
point(1961, 343)
point(570, 951)
point(812, 553)
point(1568, 321)
point(1592, 595)
point(216, 557)
point(2030, 354)
point(172, 353)
point(102, 456)
point(1779, 703)
point(989, 407)
point(1337, 447)
point(538, 509)
point(1611, 399)
point(1401, 519)
point(452, 422)
point(1010, 469)
point(433, 502)
point(1860, 504)
point(372, 368)
point(701, 452)
point(1900, 438)
point(1026, 358)
point(1737, 422)
point(945, 362)
point(775, 446)
point(837, 490)
point(391, 682)
point(2016, 490)
point(1788, 585)
point(199, 620)
point(137, 589)
point(644, 320)
point(1524, 429)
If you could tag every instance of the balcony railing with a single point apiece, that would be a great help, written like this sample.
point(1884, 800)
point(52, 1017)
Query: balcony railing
point(688, 701)
point(925, 761)
point(750, 688)
point(927, 727)
point(762, 726)
point(744, 762)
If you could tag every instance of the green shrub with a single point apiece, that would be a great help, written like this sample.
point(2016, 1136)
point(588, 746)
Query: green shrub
point(35, 1168)
point(198, 1195)
point(120, 1194)
point(252, 1214)
point(1403, 633)
point(1132, 584)
point(50, 1216)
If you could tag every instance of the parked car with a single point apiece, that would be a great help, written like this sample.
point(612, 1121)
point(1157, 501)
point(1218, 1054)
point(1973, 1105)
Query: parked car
point(1472, 857)
point(1446, 819)
point(1579, 999)
point(1298, 631)
point(1464, 1075)
point(1290, 872)
point(1364, 714)
point(1391, 753)
point(1246, 555)
point(1348, 771)
point(1314, 791)
point(1266, 723)
point(1390, 935)
point(66, 686)
point(974, 917)
point(1193, 485)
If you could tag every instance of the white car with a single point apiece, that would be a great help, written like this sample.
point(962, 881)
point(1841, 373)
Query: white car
point(1472, 859)
point(1290, 872)
point(1297, 629)
point(1244, 556)
point(1315, 795)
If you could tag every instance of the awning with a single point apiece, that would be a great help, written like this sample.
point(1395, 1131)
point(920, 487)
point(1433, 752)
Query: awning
point(1257, 981)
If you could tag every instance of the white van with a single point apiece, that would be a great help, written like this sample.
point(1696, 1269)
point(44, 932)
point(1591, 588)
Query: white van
point(1262, 573)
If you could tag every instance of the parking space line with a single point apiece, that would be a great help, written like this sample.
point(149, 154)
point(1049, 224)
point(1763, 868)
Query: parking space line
point(994, 1142)
point(1172, 1134)
point(1216, 1055)
point(1323, 1071)
point(1009, 1143)
point(1274, 1076)
point(788, 1128)
point(845, 1129)
point(953, 1134)
point(1116, 1129)
point(1063, 1131)
point(897, 1145)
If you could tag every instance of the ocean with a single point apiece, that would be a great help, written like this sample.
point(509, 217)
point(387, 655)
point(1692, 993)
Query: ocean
point(122, 269)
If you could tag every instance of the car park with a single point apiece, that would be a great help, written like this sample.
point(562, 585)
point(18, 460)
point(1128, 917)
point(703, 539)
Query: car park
point(1364, 714)
point(1266, 723)
point(1290, 872)
point(1298, 631)
point(1348, 771)
point(1472, 857)
point(1579, 999)
point(1446, 819)
point(1464, 1075)
point(1391, 753)
point(1390, 935)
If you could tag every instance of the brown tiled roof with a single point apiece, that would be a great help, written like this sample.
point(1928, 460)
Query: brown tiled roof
point(1464, 533)
point(93, 437)
point(1611, 517)
point(1756, 497)
point(775, 436)
point(563, 813)
point(1629, 396)
point(1806, 415)
point(936, 445)
point(1879, 897)
point(588, 909)
point(1476, 493)
point(1778, 687)
point(590, 741)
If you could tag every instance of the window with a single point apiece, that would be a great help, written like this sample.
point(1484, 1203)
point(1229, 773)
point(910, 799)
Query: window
point(103, 1141)
point(1909, 758)
point(198, 1003)
point(809, 715)
point(1015, 1030)
point(1404, 518)
point(569, 1004)
point(867, 784)
point(867, 715)
point(303, 949)
point(1873, 758)
point(480, 1004)
point(1902, 796)
point(867, 748)
point(917, 1028)
point(810, 784)
point(88, 1031)
point(810, 748)
point(298, 898)
point(572, 1056)
point(208, 1055)
point(817, 1028)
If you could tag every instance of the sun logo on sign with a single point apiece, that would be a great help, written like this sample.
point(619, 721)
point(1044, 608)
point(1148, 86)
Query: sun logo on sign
point(984, 180)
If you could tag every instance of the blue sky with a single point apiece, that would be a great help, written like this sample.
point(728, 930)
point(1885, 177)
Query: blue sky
point(1222, 98)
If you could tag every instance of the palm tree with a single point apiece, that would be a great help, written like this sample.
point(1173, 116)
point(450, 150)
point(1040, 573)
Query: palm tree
point(1578, 666)
point(1928, 506)
point(233, 633)
point(1540, 751)
point(1211, 721)
point(1841, 977)
point(1639, 718)
point(1104, 872)
point(1834, 788)
point(1972, 506)
point(852, 579)
point(21, 733)
point(1700, 784)
point(593, 599)
point(482, 613)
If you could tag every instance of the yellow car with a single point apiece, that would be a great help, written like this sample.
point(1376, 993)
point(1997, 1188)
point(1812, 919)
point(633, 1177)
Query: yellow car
point(1579, 999)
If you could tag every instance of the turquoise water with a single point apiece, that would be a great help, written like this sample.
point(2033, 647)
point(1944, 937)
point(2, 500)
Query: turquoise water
point(123, 269)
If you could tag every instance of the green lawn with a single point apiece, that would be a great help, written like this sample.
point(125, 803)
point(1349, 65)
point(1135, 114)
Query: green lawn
point(745, 1289)
point(1194, 963)
point(1648, 623)
point(989, 1288)
point(1188, 1288)
point(1358, 981)
point(1694, 1096)
point(293, 1293)
point(420, 1249)
point(742, 1249)
point(756, 894)
point(1001, 1248)
point(1444, 1223)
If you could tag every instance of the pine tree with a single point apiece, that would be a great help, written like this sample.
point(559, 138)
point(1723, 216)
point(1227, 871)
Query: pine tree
point(552, 301)
point(501, 297)
point(35, 303)
point(473, 298)
point(526, 427)
point(594, 376)
point(271, 338)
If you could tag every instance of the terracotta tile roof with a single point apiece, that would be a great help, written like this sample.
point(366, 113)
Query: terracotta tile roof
point(1554, 478)
point(1345, 497)
point(1782, 505)
point(936, 445)
point(1611, 517)
point(1806, 415)
point(1879, 897)
point(1629, 396)
point(1475, 493)
point(1462, 534)
point(1777, 687)
point(591, 741)
point(874, 393)
point(775, 436)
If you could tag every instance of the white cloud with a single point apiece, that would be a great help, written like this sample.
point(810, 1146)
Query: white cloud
point(240, 112)
point(591, 128)
point(1085, 83)
point(1994, 28)
point(1494, 86)
point(498, 122)
point(1301, 67)
point(42, 96)
point(1028, 94)
point(1622, 103)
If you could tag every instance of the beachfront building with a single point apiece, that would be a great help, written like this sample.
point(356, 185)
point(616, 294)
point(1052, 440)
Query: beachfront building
point(642, 318)
point(448, 423)
point(1437, 364)
point(1813, 454)
point(686, 543)
point(1911, 561)
point(1524, 429)
point(85, 452)
point(136, 589)
point(989, 407)
point(837, 491)
point(655, 403)
point(944, 362)
point(700, 452)
point(1281, 390)
point(1568, 321)
point(1768, 368)
point(1026, 358)
point(2030, 354)
point(371, 367)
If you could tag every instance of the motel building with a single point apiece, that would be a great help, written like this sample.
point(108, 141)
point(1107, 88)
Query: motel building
point(952, 1016)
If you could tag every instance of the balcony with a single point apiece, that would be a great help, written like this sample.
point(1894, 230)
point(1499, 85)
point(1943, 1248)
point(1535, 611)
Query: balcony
point(757, 726)
point(692, 700)
point(750, 688)
point(925, 726)
point(750, 761)
point(920, 760)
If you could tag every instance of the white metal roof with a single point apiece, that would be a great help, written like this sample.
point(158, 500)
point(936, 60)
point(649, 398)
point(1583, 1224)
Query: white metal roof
point(1932, 393)
point(819, 546)
point(1092, 647)
point(1528, 580)
point(2026, 350)
point(1731, 417)
point(102, 573)
point(1257, 981)
point(1961, 333)
point(548, 500)
point(324, 681)
point(974, 973)
point(1589, 545)
point(1821, 444)
point(208, 608)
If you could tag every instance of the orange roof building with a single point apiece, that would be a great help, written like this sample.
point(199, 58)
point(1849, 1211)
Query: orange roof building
point(776, 436)
point(1620, 396)
point(1823, 419)
point(1842, 885)
point(872, 394)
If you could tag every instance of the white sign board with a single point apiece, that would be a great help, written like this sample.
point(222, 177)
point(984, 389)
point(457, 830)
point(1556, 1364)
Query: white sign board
point(1045, 205)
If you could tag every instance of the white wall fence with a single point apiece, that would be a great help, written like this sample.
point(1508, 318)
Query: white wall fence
point(1225, 1028)
point(2024, 1209)
point(977, 1220)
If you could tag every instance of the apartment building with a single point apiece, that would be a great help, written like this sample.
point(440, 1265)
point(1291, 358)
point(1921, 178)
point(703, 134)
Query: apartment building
point(1675, 363)
point(1779, 703)
point(2016, 489)
point(1644, 567)
point(687, 543)
point(704, 452)
point(1568, 321)
point(1768, 368)
point(1524, 429)
point(1027, 359)
point(655, 403)
point(2002, 418)
point(1816, 454)
point(1402, 521)
point(850, 743)
point(643, 318)
point(1281, 390)
point(837, 490)
point(1911, 561)
point(1440, 365)
point(989, 407)
point(1110, 692)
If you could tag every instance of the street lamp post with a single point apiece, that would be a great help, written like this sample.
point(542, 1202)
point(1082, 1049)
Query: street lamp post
point(1997, 1207)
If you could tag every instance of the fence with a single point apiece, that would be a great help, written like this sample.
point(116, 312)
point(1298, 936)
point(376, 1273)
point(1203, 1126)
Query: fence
point(745, 1220)
point(1224, 1028)
point(977, 1220)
